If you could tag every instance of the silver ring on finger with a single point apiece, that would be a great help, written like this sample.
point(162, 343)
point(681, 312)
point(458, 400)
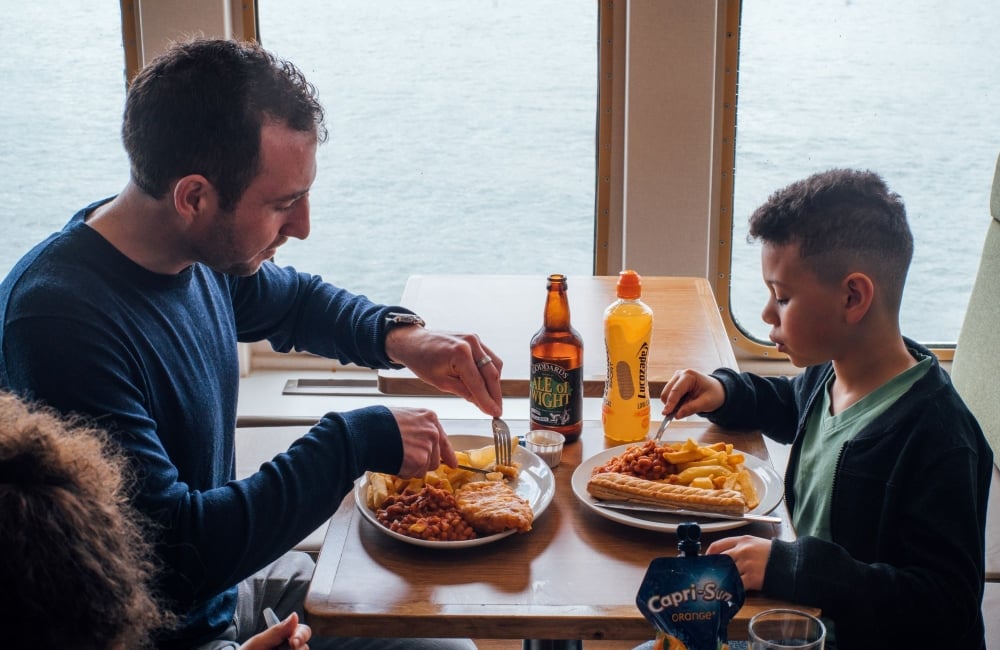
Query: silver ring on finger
point(482, 362)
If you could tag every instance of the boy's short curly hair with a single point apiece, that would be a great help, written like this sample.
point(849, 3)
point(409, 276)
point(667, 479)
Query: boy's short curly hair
point(843, 220)
point(75, 569)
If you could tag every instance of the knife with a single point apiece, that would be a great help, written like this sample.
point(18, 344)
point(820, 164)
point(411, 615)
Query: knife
point(667, 510)
point(270, 618)
point(470, 468)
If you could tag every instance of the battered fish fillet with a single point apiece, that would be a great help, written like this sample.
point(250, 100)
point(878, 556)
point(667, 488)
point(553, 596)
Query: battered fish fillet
point(493, 507)
point(612, 486)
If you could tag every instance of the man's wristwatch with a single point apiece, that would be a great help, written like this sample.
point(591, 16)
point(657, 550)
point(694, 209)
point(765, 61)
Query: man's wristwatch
point(394, 319)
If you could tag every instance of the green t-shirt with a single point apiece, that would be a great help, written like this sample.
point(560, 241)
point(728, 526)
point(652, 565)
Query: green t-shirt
point(826, 435)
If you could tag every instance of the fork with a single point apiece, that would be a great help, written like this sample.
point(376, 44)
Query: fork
point(667, 419)
point(501, 442)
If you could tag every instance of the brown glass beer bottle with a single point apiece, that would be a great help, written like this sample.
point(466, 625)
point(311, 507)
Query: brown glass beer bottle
point(557, 367)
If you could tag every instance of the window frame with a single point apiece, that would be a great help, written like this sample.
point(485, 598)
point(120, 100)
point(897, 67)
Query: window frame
point(750, 346)
point(148, 26)
point(702, 244)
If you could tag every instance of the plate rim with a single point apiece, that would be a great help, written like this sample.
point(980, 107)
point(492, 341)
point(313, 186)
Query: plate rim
point(765, 472)
point(547, 494)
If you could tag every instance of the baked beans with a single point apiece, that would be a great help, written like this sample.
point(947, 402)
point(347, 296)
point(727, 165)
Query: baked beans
point(430, 514)
point(646, 461)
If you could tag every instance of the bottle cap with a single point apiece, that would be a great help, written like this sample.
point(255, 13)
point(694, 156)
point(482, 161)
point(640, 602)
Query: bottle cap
point(629, 285)
point(688, 538)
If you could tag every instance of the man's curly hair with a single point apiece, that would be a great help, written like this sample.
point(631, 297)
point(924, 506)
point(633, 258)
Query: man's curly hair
point(199, 107)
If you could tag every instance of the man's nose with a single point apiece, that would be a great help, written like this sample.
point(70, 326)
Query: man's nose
point(297, 225)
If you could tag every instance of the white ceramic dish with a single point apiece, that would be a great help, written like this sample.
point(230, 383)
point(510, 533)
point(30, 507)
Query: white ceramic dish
point(534, 483)
point(548, 445)
point(765, 480)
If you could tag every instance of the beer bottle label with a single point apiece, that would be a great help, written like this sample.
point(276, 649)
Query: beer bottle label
point(556, 394)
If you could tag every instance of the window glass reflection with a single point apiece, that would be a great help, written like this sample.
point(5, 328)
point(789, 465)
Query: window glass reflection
point(908, 93)
point(461, 136)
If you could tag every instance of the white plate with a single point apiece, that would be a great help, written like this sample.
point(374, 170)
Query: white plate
point(765, 480)
point(535, 483)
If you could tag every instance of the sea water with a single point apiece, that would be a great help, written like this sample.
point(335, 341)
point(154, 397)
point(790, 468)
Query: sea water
point(463, 130)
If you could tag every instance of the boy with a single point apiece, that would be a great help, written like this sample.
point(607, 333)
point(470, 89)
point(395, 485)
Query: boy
point(888, 472)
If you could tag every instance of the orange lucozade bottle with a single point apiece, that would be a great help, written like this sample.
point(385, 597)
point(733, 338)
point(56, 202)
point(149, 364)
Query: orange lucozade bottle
point(628, 324)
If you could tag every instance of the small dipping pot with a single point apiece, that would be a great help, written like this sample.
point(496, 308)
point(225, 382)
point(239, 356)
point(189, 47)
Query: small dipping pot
point(547, 444)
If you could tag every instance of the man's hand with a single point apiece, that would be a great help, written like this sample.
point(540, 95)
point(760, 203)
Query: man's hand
point(689, 392)
point(750, 554)
point(425, 445)
point(455, 363)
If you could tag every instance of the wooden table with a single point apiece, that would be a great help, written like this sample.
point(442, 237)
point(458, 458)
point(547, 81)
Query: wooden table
point(506, 310)
point(575, 575)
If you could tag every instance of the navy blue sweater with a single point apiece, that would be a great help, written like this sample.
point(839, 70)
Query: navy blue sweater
point(153, 359)
point(905, 566)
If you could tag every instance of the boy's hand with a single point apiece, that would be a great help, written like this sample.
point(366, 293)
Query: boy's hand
point(750, 554)
point(689, 392)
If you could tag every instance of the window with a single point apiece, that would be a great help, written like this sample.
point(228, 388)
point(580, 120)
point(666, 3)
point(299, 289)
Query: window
point(60, 117)
point(908, 92)
point(461, 136)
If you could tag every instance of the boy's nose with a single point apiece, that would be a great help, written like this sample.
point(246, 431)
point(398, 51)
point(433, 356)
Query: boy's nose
point(769, 314)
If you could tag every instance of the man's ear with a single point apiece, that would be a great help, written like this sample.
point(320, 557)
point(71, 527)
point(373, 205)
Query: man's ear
point(194, 196)
point(859, 292)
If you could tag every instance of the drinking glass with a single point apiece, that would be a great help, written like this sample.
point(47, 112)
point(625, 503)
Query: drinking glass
point(785, 629)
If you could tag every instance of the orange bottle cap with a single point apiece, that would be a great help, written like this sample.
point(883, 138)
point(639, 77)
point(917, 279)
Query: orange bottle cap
point(629, 285)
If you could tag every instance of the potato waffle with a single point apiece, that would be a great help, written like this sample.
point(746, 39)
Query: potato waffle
point(493, 507)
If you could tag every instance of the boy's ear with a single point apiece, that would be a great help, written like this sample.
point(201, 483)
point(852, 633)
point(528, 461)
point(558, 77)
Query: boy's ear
point(859, 292)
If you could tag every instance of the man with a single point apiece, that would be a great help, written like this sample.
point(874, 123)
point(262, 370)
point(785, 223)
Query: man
point(131, 315)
